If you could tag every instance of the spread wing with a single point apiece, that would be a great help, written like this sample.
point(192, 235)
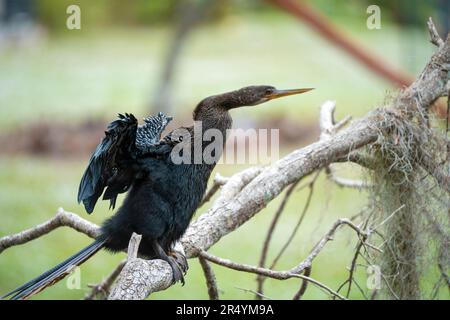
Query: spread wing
point(114, 165)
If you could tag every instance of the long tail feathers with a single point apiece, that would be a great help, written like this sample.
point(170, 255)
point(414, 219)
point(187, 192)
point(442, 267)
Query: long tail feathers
point(55, 274)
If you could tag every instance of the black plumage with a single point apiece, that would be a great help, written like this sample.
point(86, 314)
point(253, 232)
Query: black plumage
point(113, 164)
point(162, 195)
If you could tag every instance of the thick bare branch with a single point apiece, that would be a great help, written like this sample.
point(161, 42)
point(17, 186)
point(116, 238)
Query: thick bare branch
point(141, 277)
point(61, 219)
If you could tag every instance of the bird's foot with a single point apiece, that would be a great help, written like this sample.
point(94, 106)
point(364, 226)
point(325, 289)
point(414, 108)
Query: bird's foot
point(177, 270)
point(173, 260)
point(181, 259)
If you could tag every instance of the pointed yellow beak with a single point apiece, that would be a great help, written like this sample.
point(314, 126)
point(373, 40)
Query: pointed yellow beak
point(283, 93)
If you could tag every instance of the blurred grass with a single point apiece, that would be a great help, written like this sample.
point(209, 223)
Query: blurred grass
point(100, 73)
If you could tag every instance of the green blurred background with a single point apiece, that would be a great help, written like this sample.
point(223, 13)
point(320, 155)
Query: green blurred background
point(60, 87)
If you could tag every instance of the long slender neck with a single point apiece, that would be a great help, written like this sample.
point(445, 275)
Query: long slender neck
point(213, 111)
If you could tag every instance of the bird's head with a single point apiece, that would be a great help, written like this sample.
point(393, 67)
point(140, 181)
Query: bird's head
point(247, 96)
point(254, 95)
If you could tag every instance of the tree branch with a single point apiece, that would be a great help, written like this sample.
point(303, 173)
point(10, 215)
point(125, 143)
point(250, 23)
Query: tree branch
point(329, 127)
point(435, 38)
point(210, 277)
point(304, 285)
point(279, 275)
point(265, 249)
point(299, 222)
point(61, 219)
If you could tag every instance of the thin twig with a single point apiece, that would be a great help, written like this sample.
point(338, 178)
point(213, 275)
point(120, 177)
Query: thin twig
point(360, 289)
point(301, 267)
point(345, 182)
point(361, 244)
point(210, 277)
point(279, 275)
point(265, 249)
point(389, 217)
point(299, 222)
point(304, 285)
point(353, 267)
point(383, 277)
point(329, 127)
point(328, 236)
point(262, 296)
point(436, 288)
point(104, 286)
point(434, 35)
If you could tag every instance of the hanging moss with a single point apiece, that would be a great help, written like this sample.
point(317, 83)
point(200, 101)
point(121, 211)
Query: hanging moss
point(415, 237)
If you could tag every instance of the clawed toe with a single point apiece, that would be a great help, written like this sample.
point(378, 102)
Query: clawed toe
point(176, 270)
point(175, 259)
point(181, 260)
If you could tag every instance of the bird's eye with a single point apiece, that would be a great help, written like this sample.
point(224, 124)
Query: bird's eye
point(269, 90)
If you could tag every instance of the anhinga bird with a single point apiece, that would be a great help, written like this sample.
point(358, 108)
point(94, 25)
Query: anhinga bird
point(162, 196)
